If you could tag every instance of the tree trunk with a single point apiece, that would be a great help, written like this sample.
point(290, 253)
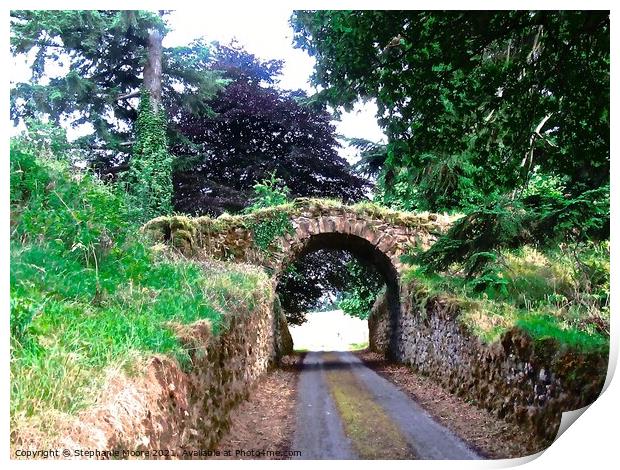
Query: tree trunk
point(152, 69)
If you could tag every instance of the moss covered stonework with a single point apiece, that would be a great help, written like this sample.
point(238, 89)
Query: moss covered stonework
point(232, 237)
point(530, 382)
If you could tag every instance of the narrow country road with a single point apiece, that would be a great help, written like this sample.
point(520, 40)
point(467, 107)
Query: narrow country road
point(347, 411)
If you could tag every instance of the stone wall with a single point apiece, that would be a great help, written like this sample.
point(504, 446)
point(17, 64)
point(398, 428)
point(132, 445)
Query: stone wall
point(378, 326)
point(283, 338)
point(173, 409)
point(521, 380)
point(530, 382)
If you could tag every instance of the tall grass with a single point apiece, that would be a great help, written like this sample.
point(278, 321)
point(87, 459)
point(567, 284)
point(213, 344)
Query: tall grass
point(87, 293)
point(561, 294)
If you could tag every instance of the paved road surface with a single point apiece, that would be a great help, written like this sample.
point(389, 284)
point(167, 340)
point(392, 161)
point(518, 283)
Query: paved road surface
point(320, 433)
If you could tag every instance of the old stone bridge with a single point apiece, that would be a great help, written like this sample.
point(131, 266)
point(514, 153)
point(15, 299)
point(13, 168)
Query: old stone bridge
point(508, 376)
point(374, 235)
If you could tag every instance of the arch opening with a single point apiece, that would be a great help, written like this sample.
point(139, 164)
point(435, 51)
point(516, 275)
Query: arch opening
point(367, 254)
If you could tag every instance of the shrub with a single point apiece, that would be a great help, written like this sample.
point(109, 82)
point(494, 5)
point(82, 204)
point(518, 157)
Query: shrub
point(271, 225)
point(269, 193)
point(361, 291)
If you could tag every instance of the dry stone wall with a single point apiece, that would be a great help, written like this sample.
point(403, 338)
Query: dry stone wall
point(525, 381)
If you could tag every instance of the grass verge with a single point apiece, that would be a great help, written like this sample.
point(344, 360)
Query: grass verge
point(89, 295)
point(358, 346)
point(561, 294)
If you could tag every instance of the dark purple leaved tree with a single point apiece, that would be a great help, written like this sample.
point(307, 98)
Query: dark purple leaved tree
point(257, 129)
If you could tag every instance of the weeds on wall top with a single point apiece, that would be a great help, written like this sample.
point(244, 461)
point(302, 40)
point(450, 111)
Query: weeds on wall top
point(560, 293)
point(269, 193)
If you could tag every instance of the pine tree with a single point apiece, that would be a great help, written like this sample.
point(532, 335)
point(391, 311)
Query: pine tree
point(102, 55)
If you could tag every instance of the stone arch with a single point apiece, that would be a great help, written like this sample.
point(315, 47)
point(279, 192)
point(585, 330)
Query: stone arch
point(379, 235)
point(364, 251)
point(389, 239)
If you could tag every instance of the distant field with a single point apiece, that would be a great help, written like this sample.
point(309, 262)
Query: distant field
point(330, 331)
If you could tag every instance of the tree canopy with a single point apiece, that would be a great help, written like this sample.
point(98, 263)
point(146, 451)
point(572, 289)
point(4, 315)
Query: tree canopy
point(88, 65)
point(257, 129)
point(229, 124)
point(503, 115)
point(473, 103)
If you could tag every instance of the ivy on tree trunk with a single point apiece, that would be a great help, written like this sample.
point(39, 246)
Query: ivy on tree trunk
point(150, 171)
